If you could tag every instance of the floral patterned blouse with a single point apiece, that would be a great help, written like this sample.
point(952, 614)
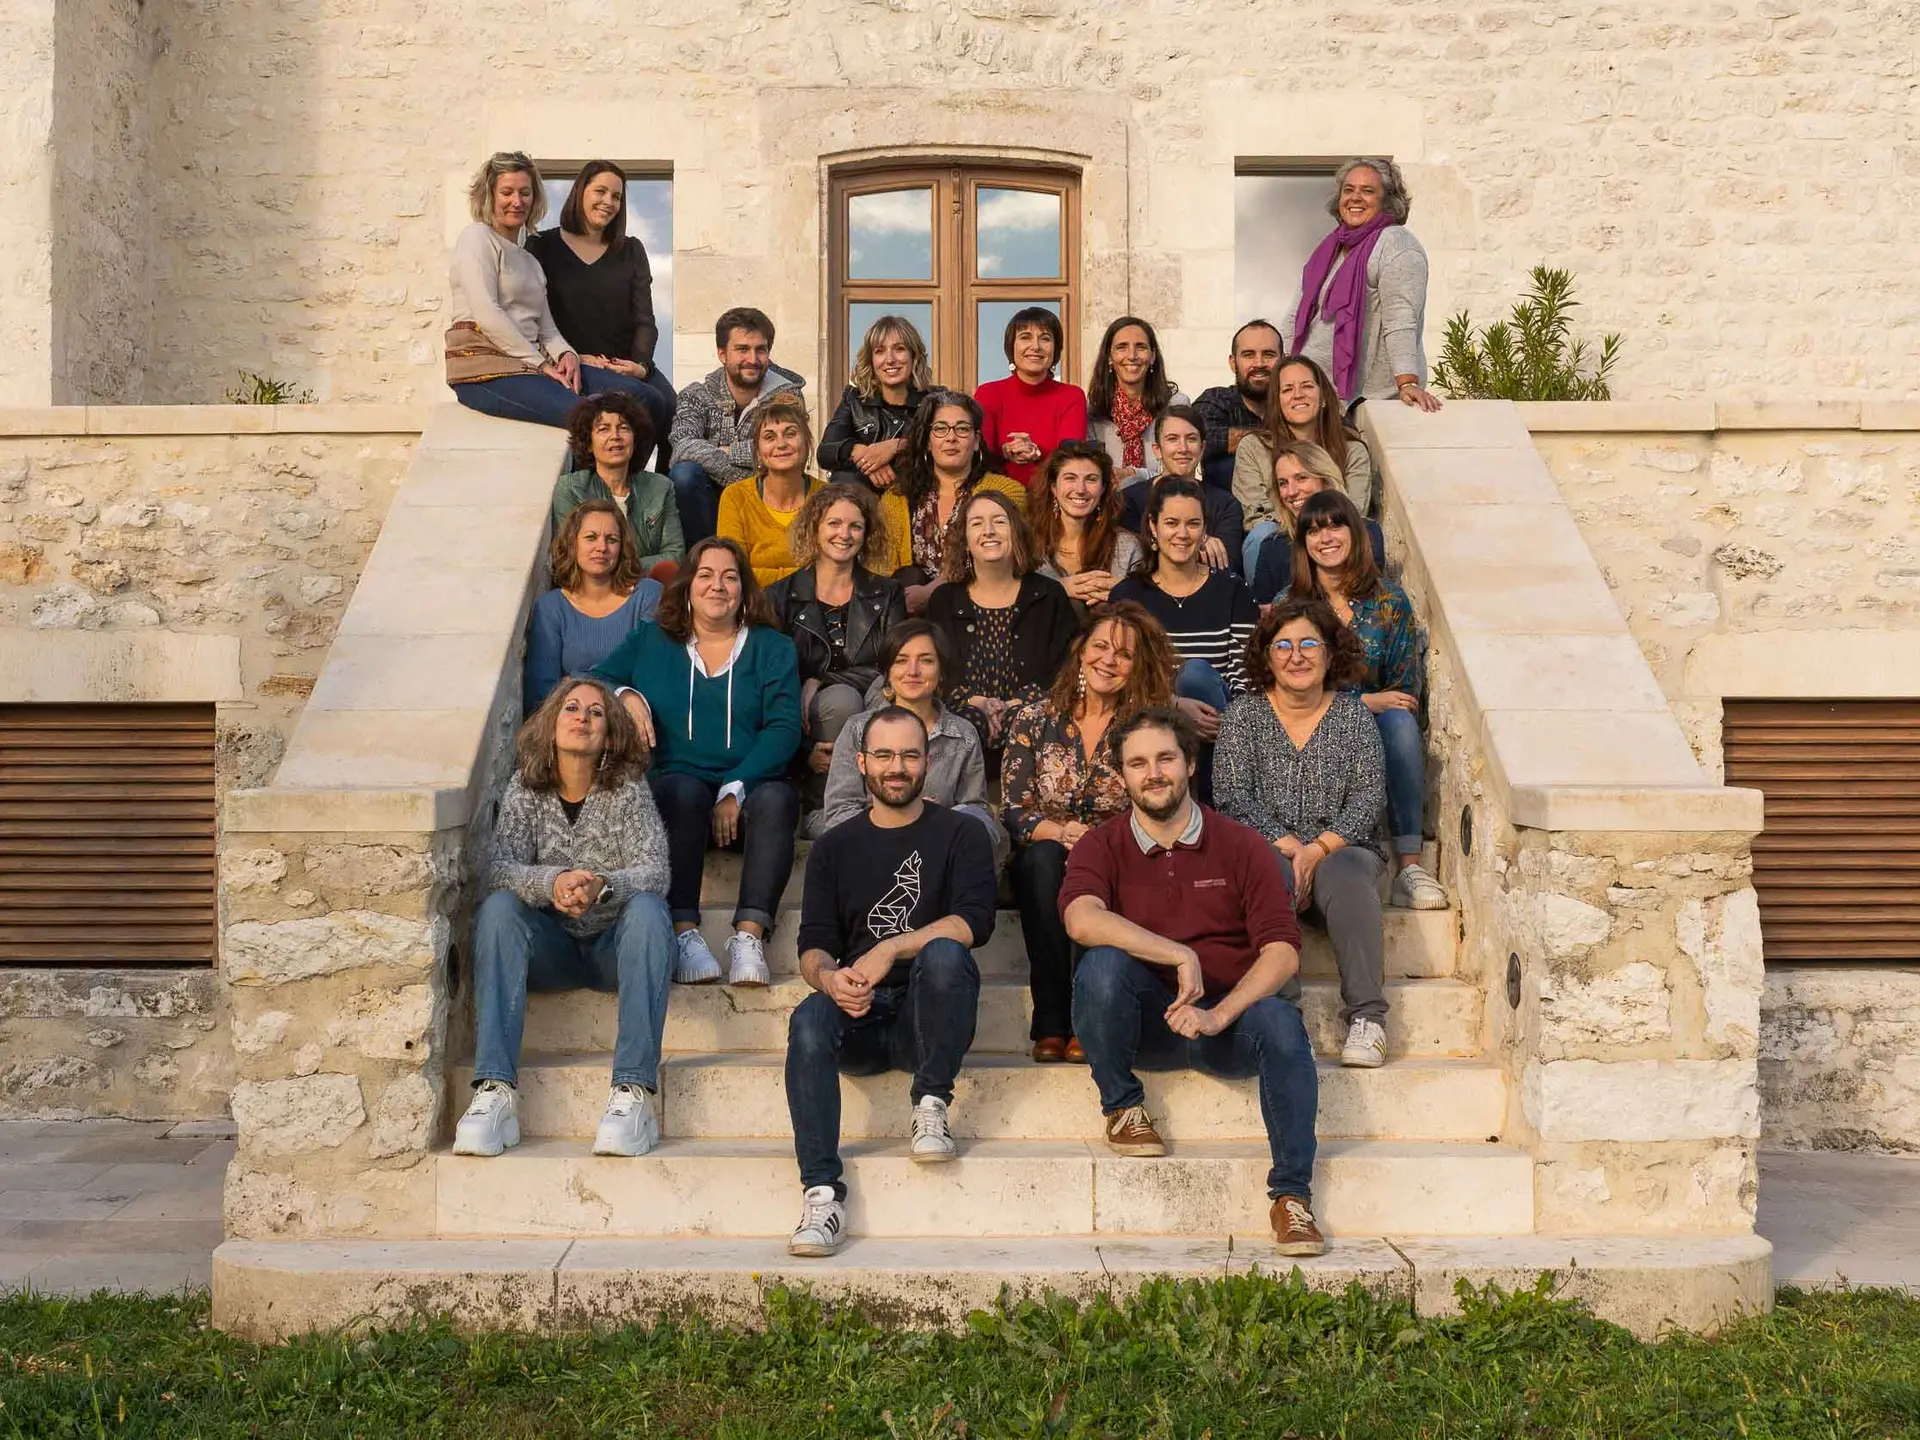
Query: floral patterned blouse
point(1391, 636)
point(1045, 775)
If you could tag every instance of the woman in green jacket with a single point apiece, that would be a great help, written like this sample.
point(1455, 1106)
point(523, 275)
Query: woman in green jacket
point(608, 430)
point(715, 689)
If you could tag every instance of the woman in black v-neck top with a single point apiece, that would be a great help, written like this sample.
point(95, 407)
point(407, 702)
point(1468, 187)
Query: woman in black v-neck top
point(603, 303)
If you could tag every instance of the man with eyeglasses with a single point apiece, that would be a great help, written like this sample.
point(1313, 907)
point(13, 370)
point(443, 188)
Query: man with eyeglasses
point(895, 901)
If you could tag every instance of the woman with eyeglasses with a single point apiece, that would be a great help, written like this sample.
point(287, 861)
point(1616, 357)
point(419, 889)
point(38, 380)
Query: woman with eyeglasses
point(1332, 561)
point(1299, 759)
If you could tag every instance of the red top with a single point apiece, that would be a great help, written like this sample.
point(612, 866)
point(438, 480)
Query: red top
point(1220, 892)
point(1049, 412)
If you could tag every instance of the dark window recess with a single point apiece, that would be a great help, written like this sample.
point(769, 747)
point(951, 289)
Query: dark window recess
point(1838, 866)
point(107, 835)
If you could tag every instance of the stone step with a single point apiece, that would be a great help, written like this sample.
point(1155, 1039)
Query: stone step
point(1428, 1017)
point(1024, 1188)
point(1009, 1097)
point(267, 1290)
point(1420, 944)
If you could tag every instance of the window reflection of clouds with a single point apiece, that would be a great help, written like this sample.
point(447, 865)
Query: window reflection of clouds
point(890, 235)
point(1017, 233)
point(650, 220)
point(1277, 222)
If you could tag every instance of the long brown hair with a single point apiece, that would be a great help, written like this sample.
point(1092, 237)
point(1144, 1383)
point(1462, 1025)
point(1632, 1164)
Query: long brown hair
point(1346, 656)
point(675, 616)
point(573, 214)
point(1359, 577)
point(537, 759)
point(1171, 487)
point(913, 469)
point(1155, 391)
point(1330, 431)
point(1043, 510)
point(803, 536)
point(563, 556)
point(956, 566)
point(1152, 680)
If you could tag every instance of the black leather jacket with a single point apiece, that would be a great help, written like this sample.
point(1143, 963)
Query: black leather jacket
point(878, 605)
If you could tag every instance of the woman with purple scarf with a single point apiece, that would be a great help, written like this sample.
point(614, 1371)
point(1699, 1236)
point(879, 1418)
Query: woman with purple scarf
point(1363, 295)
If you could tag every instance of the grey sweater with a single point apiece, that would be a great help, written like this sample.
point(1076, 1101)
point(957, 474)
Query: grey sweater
point(1337, 782)
point(619, 835)
point(708, 433)
point(1396, 313)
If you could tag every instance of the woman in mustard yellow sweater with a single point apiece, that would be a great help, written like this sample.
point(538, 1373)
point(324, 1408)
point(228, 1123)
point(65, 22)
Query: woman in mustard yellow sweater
point(757, 513)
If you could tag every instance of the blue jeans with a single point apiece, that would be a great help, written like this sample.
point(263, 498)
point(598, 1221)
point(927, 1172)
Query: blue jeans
point(1250, 547)
point(1197, 680)
point(1406, 777)
point(924, 1026)
point(698, 498)
point(517, 948)
point(767, 824)
point(543, 400)
point(1119, 1013)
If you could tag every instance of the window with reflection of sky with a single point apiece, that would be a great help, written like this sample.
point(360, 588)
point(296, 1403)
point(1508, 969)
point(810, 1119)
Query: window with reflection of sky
point(650, 219)
point(1017, 234)
point(890, 235)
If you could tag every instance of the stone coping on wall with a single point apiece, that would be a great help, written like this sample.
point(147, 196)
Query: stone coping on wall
point(1574, 730)
point(1698, 417)
point(336, 419)
point(423, 665)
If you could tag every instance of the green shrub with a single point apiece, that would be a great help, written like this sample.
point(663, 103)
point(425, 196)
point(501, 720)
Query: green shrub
point(1533, 356)
point(264, 390)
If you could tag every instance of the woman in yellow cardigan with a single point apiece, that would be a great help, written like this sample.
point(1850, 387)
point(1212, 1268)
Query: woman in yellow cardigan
point(757, 513)
point(941, 464)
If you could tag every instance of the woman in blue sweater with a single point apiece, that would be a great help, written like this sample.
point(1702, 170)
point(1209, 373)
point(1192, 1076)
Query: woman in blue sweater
point(598, 596)
point(715, 688)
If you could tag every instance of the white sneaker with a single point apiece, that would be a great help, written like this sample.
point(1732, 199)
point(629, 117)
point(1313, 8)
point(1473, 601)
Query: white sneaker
point(1366, 1047)
point(1414, 888)
point(823, 1224)
point(932, 1136)
point(492, 1121)
point(696, 965)
point(630, 1125)
point(746, 960)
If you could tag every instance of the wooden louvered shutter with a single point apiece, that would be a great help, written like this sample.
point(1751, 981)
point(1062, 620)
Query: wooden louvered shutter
point(1838, 866)
point(106, 834)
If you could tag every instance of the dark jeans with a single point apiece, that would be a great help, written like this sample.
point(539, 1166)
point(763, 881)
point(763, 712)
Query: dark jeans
point(1039, 869)
point(1197, 680)
point(924, 1026)
point(517, 948)
point(698, 498)
point(660, 402)
point(1406, 758)
point(1119, 1013)
point(767, 823)
point(541, 399)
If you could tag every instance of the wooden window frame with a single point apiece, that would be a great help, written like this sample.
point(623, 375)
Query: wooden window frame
point(955, 289)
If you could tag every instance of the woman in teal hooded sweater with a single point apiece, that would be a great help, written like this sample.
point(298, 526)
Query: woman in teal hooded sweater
point(715, 688)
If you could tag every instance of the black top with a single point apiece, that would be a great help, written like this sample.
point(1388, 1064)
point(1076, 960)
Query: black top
point(1273, 570)
point(1226, 517)
point(877, 606)
point(1043, 626)
point(1212, 624)
point(571, 808)
point(859, 421)
point(605, 308)
point(864, 883)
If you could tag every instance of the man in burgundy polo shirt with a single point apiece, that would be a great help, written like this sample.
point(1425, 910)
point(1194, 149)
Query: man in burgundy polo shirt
point(1192, 960)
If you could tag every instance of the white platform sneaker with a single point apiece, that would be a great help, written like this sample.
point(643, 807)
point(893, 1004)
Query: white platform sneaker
point(823, 1224)
point(695, 964)
point(630, 1125)
point(1414, 888)
point(492, 1121)
point(1366, 1047)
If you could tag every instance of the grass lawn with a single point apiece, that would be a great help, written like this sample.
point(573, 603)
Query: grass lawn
point(1241, 1357)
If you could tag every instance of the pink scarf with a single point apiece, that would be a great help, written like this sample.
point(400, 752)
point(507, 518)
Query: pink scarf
point(1346, 306)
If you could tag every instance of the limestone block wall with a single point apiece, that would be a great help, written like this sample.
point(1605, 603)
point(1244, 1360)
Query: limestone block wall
point(26, 219)
point(304, 179)
point(186, 555)
point(1772, 552)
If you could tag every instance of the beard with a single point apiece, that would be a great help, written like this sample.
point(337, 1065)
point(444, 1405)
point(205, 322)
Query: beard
point(879, 785)
point(1161, 811)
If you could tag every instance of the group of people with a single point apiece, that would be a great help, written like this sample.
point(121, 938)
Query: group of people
point(1140, 654)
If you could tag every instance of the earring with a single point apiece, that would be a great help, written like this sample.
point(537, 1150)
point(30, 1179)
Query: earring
point(1080, 684)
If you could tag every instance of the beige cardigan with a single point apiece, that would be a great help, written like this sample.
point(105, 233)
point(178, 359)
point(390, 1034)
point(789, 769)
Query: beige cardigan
point(1253, 477)
point(502, 289)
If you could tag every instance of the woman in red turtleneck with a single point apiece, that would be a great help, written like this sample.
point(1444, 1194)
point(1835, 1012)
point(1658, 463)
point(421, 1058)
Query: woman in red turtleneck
point(1030, 412)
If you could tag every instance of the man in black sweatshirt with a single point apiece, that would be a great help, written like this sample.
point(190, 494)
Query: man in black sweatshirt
point(895, 901)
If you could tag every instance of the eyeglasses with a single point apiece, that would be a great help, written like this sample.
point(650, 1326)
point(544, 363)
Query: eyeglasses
point(940, 429)
point(887, 757)
point(1307, 647)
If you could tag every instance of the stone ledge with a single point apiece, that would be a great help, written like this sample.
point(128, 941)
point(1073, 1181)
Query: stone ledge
point(1852, 664)
point(1786, 415)
point(123, 420)
point(1679, 809)
point(53, 667)
point(1703, 417)
point(1580, 417)
point(407, 810)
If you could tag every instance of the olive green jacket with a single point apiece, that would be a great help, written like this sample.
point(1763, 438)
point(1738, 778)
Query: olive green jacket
point(650, 509)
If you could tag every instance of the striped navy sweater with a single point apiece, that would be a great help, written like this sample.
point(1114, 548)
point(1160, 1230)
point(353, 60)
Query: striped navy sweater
point(1212, 624)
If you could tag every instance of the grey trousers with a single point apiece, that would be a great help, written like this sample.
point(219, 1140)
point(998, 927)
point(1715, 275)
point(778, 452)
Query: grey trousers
point(1346, 901)
point(833, 706)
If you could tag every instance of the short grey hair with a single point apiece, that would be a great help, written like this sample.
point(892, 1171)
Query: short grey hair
point(505, 162)
point(1396, 200)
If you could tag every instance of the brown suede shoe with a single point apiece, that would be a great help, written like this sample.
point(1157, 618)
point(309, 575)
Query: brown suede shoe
point(1075, 1055)
point(1294, 1232)
point(1049, 1050)
point(1131, 1132)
